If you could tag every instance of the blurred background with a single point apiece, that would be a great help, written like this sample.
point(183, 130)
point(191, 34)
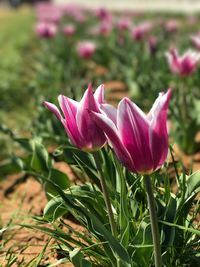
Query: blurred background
point(171, 5)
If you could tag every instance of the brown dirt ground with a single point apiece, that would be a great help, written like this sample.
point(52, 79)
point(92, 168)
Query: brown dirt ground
point(19, 200)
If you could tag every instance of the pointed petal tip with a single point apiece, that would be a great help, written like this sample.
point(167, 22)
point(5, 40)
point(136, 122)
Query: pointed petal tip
point(60, 98)
point(99, 94)
point(125, 100)
point(169, 91)
point(90, 87)
point(53, 108)
point(167, 94)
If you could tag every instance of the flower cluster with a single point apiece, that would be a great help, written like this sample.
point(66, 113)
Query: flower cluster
point(140, 141)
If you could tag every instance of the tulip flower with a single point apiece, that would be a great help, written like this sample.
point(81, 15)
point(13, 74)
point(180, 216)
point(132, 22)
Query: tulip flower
point(184, 65)
point(69, 29)
point(105, 28)
point(48, 12)
point(123, 24)
point(172, 25)
point(141, 30)
point(86, 49)
point(82, 130)
point(103, 14)
point(46, 29)
point(140, 141)
point(196, 40)
point(152, 44)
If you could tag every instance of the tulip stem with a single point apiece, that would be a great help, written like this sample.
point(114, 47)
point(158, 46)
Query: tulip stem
point(105, 193)
point(154, 222)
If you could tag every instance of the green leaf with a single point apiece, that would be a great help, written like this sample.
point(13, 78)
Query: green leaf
point(100, 228)
point(193, 183)
point(59, 178)
point(24, 143)
point(191, 230)
point(40, 161)
point(54, 209)
point(124, 209)
point(94, 223)
point(78, 260)
point(170, 215)
point(71, 152)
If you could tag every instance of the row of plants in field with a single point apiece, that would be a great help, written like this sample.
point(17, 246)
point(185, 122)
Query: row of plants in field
point(124, 167)
point(140, 51)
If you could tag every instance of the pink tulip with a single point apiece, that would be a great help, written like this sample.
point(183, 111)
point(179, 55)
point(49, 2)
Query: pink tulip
point(46, 29)
point(86, 49)
point(69, 29)
point(82, 130)
point(172, 25)
point(105, 28)
point(103, 14)
point(141, 30)
point(123, 24)
point(80, 17)
point(140, 141)
point(152, 44)
point(196, 40)
point(48, 12)
point(184, 65)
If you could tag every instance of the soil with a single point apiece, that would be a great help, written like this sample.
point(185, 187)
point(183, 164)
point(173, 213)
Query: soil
point(20, 199)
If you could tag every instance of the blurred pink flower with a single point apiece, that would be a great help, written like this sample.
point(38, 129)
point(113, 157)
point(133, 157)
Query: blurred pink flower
point(46, 29)
point(185, 64)
point(103, 13)
point(48, 12)
point(196, 40)
point(192, 21)
point(152, 44)
point(123, 24)
point(69, 29)
point(81, 129)
point(71, 9)
point(86, 49)
point(172, 25)
point(139, 31)
point(105, 28)
point(80, 17)
point(140, 141)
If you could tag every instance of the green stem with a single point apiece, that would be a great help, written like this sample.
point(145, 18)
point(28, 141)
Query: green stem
point(105, 193)
point(154, 223)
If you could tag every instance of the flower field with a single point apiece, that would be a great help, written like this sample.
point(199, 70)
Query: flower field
point(100, 138)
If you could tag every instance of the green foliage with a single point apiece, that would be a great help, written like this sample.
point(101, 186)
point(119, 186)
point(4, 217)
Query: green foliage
point(133, 244)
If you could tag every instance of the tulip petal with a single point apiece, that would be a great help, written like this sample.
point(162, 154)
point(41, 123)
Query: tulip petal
point(110, 111)
point(113, 136)
point(53, 109)
point(82, 116)
point(69, 108)
point(90, 132)
point(158, 129)
point(174, 60)
point(134, 133)
point(99, 94)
